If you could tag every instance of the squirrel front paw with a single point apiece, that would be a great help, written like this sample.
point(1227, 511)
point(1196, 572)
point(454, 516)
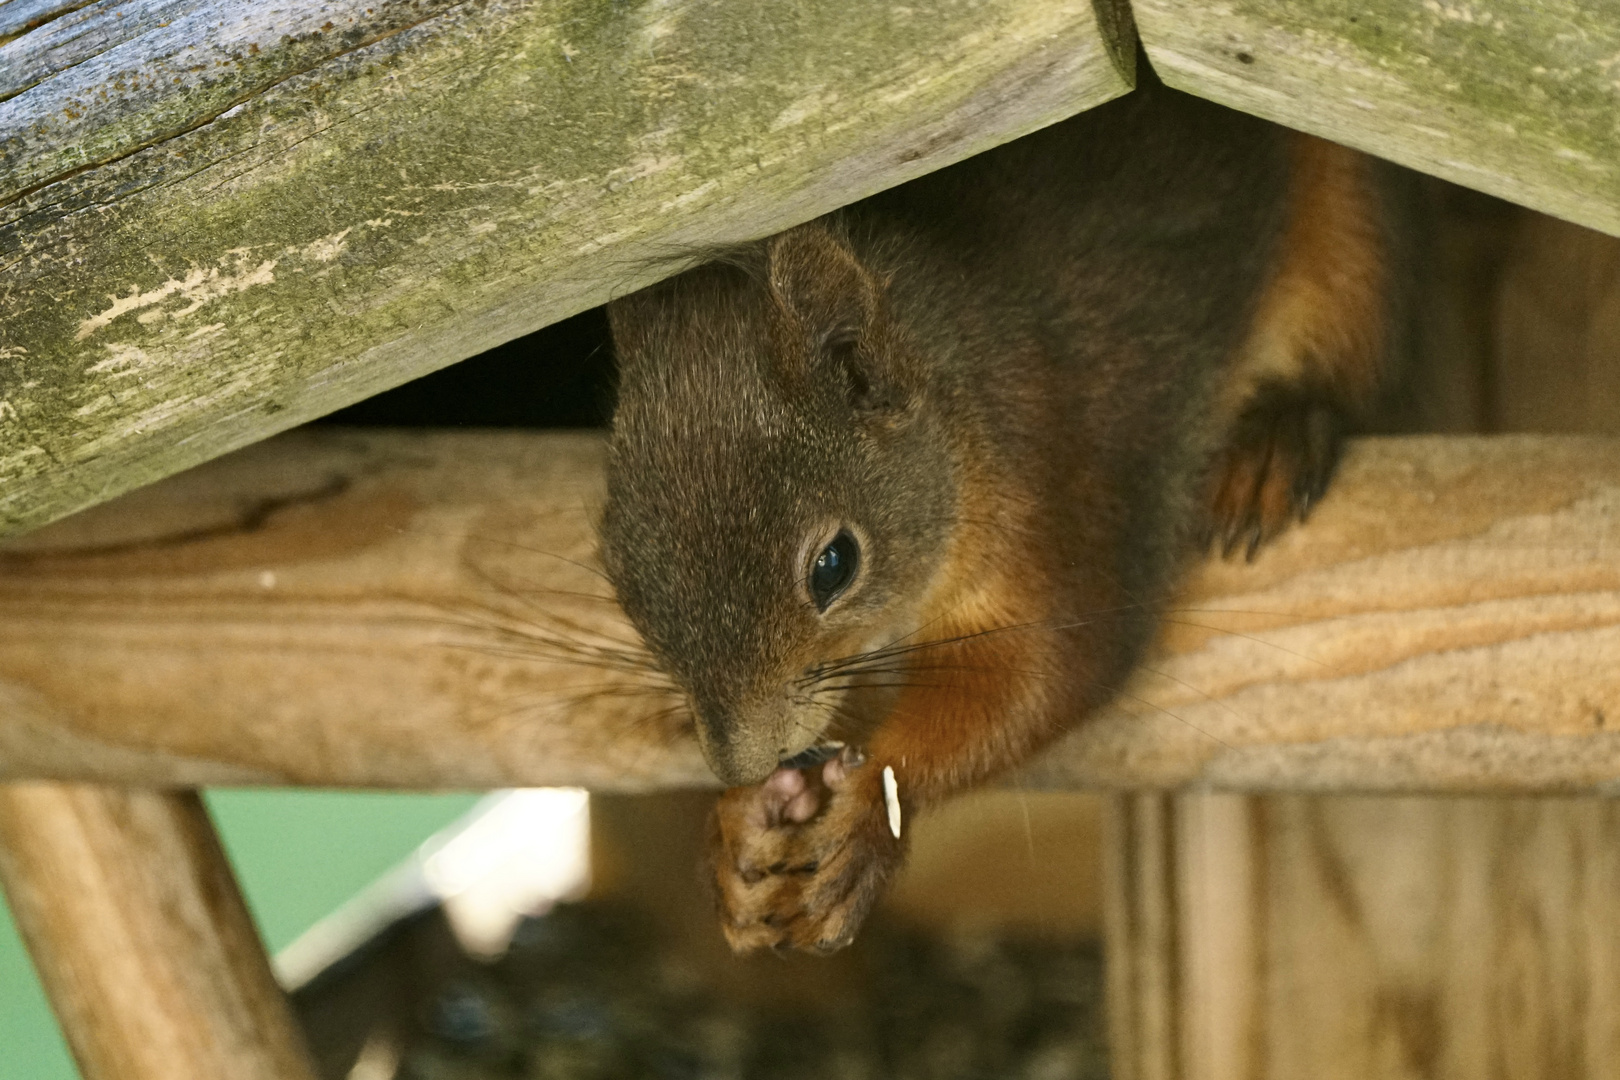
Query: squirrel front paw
point(800, 859)
point(1276, 465)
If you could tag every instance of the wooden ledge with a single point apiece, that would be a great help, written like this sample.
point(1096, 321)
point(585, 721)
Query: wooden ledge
point(400, 609)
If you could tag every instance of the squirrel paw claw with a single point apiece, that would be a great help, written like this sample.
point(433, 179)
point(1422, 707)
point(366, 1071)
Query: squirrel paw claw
point(1276, 466)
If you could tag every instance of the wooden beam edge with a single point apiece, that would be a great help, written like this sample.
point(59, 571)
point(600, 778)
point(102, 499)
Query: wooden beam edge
point(411, 610)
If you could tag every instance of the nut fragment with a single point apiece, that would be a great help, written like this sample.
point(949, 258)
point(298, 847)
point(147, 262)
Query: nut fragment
point(891, 799)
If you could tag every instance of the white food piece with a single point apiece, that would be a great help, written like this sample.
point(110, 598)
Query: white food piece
point(891, 799)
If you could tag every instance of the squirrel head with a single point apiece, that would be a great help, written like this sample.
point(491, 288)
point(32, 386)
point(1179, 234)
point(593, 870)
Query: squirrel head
point(780, 490)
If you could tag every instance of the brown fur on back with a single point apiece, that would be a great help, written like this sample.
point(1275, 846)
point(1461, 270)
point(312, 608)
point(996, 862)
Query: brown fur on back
point(1321, 318)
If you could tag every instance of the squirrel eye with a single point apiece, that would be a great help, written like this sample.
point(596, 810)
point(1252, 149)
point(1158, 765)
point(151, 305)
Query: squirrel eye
point(833, 569)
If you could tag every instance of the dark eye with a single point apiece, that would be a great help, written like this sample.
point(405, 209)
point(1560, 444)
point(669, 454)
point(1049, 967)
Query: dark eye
point(834, 569)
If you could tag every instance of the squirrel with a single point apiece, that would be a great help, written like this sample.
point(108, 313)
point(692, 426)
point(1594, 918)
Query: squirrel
point(896, 496)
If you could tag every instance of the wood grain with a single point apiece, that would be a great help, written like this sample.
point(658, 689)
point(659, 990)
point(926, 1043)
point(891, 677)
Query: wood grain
point(1353, 938)
point(384, 609)
point(1449, 622)
point(1140, 919)
point(396, 609)
point(218, 220)
point(141, 938)
point(1515, 99)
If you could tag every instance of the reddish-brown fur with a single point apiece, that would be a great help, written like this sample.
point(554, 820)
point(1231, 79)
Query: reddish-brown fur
point(1316, 348)
point(1022, 384)
point(1321, 317)
point(983, 674)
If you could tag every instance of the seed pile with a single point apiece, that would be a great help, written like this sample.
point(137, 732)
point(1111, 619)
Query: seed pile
point(588, 992)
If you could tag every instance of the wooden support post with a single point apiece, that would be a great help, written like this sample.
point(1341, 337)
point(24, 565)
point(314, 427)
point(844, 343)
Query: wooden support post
point(1363, 938)
point(1139, 917)
point(141, 938)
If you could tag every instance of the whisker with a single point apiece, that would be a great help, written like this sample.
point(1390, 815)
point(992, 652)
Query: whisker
point(538, 551)
point(1206, 695)
point(1249, 637)
point(899, 684)
point(862, 660)
point(539, 611)
point(572, 594)
point(1153, 705)
point(559, 652)
point(597, 692)
point(836, 666)
point(506, 626)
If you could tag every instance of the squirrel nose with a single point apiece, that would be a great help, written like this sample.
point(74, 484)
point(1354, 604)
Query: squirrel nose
point(739, 758)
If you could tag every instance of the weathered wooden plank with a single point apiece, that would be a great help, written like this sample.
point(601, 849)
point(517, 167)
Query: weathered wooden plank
point(141, 938)
point(1392, 938)
point(18, 17)
point(46, 37)
point(1140, 920)
point(399, 577)
point(122, 75)
point(1516, 98)
point(1364, 938)
point(405, 609)
point(243, 216)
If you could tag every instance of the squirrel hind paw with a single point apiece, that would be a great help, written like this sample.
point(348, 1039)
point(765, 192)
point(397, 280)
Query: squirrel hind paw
point(1275, 467)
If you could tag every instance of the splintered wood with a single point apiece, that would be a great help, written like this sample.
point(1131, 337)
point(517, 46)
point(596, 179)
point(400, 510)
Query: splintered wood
point(421, 610)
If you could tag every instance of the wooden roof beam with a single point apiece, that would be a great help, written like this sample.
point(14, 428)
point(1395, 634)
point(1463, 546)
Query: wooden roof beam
point(1518, 100)
point(219, 220)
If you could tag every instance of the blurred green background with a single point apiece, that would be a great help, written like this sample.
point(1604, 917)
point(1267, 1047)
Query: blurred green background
point(298, 855)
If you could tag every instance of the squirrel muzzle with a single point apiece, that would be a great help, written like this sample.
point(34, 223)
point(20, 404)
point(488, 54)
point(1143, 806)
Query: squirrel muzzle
point(745, 745)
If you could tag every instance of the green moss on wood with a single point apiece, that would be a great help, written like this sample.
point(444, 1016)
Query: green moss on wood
point(403, 205)
point(1520, 98)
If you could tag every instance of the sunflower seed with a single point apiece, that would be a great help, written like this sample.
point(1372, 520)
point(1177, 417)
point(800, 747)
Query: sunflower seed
point(891, 799)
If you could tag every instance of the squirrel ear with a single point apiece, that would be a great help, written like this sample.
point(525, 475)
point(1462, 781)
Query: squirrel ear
point(820, 281)
point(835, 303)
